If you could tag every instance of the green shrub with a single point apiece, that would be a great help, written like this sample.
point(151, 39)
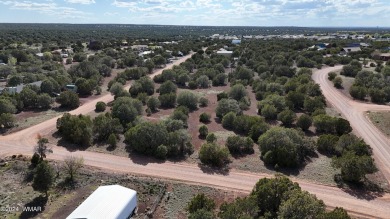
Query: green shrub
point(204, 118)
point(331, 76)
point(239, 145)
point(213, 154)
point(100, 106)
point(203, 102)
point(203, 131)
point(161, 152)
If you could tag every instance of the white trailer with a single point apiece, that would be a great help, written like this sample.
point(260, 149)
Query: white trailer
point(107, 202)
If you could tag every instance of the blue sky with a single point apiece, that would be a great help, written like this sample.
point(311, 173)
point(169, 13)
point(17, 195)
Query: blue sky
point(201, 12)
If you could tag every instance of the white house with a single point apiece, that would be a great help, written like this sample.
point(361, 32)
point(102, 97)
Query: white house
point(107, 202)
point(224, 53)
point(145, 53)
point(139, 47)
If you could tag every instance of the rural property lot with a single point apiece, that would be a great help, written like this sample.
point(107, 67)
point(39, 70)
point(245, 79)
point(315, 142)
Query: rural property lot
point(16, 190)
point(23, 141)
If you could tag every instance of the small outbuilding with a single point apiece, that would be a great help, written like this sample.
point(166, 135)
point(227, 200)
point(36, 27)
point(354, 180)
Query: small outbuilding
point(107, 202)
point(71, 87)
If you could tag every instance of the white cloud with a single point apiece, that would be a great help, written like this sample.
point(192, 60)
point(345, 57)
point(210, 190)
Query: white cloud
point(156, 6)
point(216, 12)
point(111, 13)
point(124, 4)
point(84, 2)
point(49, 8)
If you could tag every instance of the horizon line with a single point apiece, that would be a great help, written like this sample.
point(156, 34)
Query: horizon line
point(192, 25)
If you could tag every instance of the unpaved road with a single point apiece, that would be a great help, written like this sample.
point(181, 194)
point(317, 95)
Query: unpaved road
point(355, 113)
point(22, 142)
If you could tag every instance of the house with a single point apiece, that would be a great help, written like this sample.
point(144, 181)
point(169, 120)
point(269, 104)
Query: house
point(353, 45)
point(155, 47)
point(351, 49)
point(322, 46)
point(365, 45)
point(140, 47)
point(384, 57)
point(40, 55)
point(236, 42)
point(145, 53)
point(112, 201)
point(19, 88)
point(225, 53)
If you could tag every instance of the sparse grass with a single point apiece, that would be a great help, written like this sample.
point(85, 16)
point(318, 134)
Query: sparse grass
point(223, 135)
point(14, 191)
point(208, 91)
point(381, 120)
point(347, 83)
point(37, 118)
point(175, 201)
point(318, 169)
point(332, 112)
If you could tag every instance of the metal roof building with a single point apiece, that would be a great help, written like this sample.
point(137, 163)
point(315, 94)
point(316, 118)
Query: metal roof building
point(225, 53)
point(106, 202)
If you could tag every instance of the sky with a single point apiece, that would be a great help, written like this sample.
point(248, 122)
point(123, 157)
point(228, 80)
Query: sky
point(304, 13)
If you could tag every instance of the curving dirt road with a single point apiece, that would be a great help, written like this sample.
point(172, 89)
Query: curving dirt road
point(354, 112)
point(22, 142)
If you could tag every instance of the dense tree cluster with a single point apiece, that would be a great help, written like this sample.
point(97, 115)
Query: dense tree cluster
point(142, 85)
point(159, 139)
point(284, 147)
point(331, 125)
point(104, 125)
point(126, 110)
point(252, 126)
point(68, 99)
point(225, 106)
point(77, 129)
point(239, 145)
point(375, 85)
point(188, 99)
point(352, 155)
point(278, 197)
point(213, 154)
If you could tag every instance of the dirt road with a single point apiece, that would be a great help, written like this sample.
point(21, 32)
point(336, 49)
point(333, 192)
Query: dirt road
point(22, 143)
point(354, 111)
